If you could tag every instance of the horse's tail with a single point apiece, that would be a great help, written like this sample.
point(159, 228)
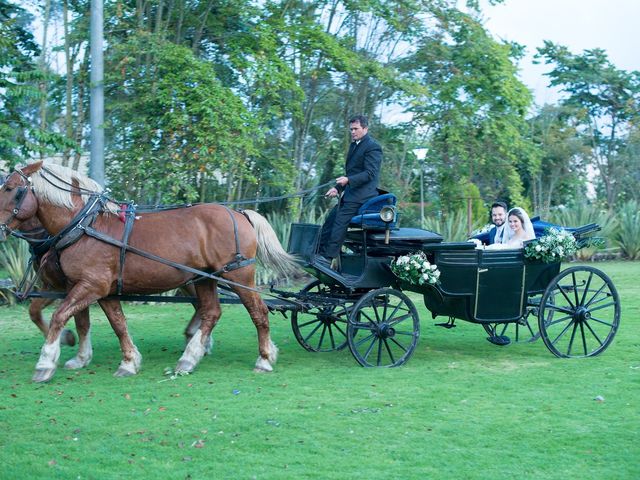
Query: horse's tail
point(270, 251)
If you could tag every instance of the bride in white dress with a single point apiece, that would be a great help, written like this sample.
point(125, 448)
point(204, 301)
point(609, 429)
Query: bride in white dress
point(520, 230)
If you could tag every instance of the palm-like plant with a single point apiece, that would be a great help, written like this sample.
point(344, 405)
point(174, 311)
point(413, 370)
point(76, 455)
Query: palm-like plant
point(584, 213)
point(452, 227)
point(14, 259)
point(627, 235)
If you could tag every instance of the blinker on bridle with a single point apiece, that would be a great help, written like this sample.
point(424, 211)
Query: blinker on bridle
point(19, 198)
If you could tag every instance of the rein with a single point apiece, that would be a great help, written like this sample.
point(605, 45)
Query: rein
point(82, 223)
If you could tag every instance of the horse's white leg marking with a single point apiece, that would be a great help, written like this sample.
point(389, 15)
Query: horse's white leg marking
point(208, 345)
point(49, 355)
point(192, 354)
point(266, 364)
point(130, 367)
point(84, 355)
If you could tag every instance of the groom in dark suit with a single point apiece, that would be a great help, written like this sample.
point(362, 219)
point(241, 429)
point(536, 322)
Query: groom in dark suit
point(359, 184)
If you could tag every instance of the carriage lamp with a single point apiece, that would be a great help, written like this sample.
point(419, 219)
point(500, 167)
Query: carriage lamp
point(387, 215)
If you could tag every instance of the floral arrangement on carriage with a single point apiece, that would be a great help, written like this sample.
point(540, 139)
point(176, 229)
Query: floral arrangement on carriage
point(415, 269)
point(554, 246)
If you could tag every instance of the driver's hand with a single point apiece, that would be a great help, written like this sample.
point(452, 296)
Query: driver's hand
point(332, 192)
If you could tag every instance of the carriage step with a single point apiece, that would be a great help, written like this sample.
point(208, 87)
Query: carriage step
point(499, 340)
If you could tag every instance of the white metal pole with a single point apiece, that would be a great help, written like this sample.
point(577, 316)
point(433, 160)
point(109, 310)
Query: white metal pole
point(96, 165)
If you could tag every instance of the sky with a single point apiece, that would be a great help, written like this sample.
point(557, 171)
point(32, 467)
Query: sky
point(613, 25)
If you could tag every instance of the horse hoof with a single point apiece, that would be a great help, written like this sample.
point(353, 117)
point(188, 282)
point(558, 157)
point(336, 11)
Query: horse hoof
point(43, 374)
point(263, 366)
point(68, 338)
point(123, 372)
point(185, 366)
point(74, 364)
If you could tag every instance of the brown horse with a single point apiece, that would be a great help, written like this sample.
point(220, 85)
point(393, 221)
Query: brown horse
point(185, 241)
point(53, 279)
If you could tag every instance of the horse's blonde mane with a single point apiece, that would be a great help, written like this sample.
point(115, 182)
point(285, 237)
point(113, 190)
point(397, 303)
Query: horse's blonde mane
point(58, 191)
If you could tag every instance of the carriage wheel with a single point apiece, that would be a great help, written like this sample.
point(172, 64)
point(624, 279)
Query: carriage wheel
point(321, 329)
point(579, 313)
point(384, 328)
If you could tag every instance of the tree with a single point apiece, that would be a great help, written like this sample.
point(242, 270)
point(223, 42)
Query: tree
point(607, 103)
point(561, 178)
point(20, 135)
point(172, 126)
point(475, 112)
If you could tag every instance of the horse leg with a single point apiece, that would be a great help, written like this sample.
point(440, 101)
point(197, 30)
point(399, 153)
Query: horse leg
point(131, 358)
point(85, 351)
point(78, 299)
point(209, 312)
point(35, 313)
point(193, 327)
point(194, 324)
point(260, 315)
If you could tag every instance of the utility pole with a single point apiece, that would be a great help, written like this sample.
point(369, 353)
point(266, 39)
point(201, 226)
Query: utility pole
point(96, 164)
point(421, 154)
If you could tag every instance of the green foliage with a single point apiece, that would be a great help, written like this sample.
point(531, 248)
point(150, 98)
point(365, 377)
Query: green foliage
point(14, 259)
point(452, 227)
point(627, 233)
point(188, 126)
point(581, 213)
point(20, 95)
point(475, 111)
point(606, 102)
point(562, 174)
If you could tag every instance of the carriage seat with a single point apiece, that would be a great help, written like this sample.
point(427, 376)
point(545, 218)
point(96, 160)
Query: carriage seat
point(368, 216)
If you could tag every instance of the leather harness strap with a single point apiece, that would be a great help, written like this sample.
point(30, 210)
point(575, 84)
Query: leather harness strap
point(130, 215)
point(240, 260)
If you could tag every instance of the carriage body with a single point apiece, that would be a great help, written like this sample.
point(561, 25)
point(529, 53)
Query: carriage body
point(576, 311)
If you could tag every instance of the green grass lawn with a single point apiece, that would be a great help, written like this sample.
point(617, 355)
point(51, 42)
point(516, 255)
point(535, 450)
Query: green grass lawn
point(460, 408)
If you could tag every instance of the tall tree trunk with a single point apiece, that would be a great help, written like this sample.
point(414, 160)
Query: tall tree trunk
point(68, 114)
point(198, 36)
point(83, 73)
point(43, 67)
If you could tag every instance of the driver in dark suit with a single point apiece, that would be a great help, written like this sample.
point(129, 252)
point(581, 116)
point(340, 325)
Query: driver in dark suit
point(359, 184)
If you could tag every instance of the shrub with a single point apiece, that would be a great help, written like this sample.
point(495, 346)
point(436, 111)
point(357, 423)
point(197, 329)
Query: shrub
point(453, 226)
point(627, 233)
point(584, 213)
point(14, 259)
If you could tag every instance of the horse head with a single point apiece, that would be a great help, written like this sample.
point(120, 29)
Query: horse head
point(17, 200)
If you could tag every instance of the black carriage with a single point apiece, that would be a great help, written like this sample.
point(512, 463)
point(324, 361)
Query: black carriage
point(364, 306)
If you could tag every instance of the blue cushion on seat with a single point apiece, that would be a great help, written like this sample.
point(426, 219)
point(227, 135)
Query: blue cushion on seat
point(368, 216)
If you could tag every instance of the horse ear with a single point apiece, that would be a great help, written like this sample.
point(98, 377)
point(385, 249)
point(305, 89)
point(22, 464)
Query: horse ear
point(32, 168)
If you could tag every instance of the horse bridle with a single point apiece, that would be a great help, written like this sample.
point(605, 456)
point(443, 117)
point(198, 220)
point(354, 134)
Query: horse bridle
point(19, 198)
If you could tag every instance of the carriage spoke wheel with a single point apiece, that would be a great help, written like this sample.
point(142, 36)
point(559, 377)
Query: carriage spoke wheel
point(579, 313)
point(321, 329)
point(384, 328)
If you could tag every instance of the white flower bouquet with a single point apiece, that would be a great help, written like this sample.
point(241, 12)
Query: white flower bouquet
point(416, 269)
point(554, 246)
